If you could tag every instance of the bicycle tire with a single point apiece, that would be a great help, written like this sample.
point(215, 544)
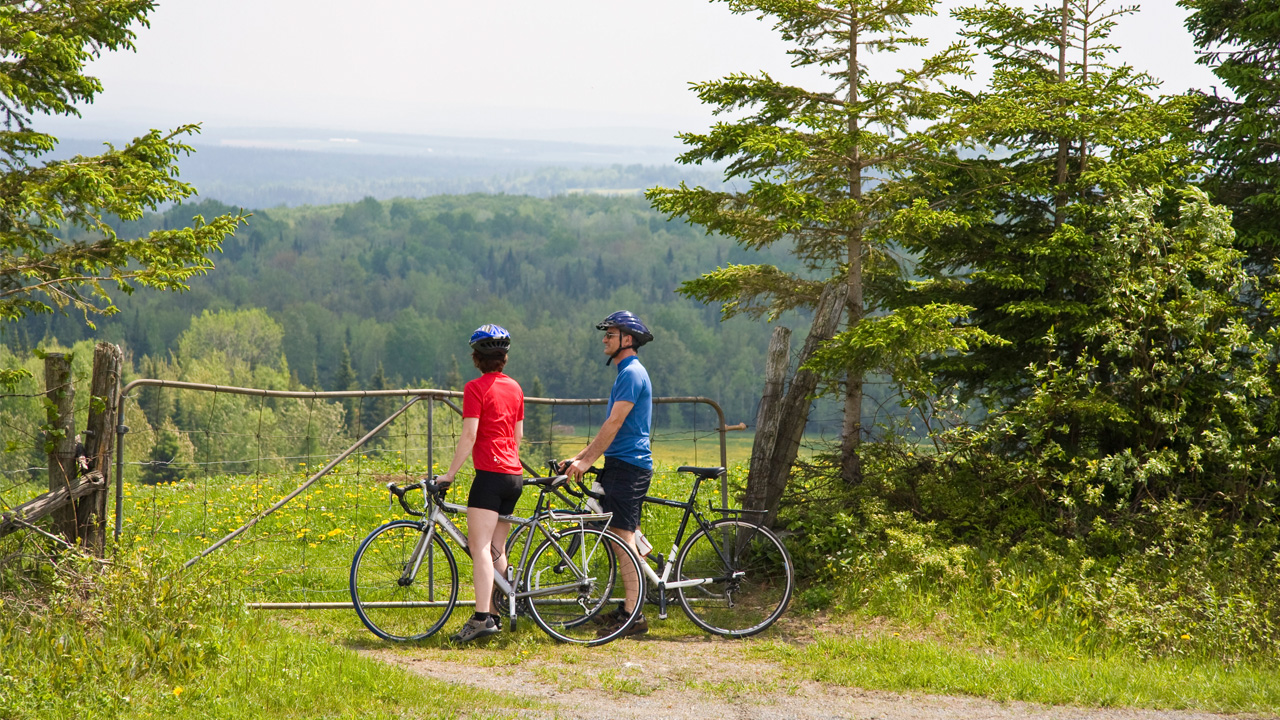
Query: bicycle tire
point(735, 606)
point(391, 607)
point(573, 611)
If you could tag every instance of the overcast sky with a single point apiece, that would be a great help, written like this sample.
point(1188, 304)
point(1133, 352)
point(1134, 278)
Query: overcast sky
point(570, 69)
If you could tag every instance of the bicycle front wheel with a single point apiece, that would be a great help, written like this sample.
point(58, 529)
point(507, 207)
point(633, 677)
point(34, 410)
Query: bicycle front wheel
point(746, 573)
point(403, 588)
point(574, 580)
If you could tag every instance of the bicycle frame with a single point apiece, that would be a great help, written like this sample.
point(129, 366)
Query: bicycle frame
point(437, 517)
point(662, 582)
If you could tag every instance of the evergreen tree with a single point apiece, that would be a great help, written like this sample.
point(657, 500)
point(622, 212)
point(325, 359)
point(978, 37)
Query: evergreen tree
point(454, 379)
point(828, 167)
point(1240, 144)
point(1056, 135)
point(58, 247)
point(156, 402)
point(380, 408)
point(537, 429)
point(162, 464)
point(346, 380)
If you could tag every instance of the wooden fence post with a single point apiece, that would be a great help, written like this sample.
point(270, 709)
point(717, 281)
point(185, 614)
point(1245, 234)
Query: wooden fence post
point(61, 440)
point(764, 491)
point(775, 378)
point(100, 436)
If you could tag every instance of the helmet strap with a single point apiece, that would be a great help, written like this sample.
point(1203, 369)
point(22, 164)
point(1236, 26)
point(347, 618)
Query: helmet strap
point(621, 347)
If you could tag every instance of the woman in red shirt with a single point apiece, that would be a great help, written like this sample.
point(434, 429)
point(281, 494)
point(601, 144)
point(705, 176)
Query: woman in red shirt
point(492, 425)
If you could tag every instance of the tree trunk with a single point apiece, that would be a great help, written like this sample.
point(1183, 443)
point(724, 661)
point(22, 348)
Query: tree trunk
point(1064, 144)
point(793, 410)
point(775, 378)
point(61, 441)
point(851, 427)
point(91, 511)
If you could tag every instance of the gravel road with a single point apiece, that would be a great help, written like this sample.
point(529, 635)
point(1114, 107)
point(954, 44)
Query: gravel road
point(705, 679)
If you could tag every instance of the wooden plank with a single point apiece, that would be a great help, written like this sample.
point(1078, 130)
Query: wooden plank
point(50, 502)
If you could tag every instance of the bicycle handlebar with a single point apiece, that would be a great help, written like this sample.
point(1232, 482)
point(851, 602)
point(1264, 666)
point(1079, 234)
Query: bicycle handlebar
point(428, 487)
point(583, 491)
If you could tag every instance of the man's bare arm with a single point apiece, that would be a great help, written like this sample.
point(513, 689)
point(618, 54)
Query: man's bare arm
point(608, 431)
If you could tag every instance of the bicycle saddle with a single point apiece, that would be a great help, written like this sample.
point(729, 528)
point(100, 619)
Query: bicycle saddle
point(706, 472)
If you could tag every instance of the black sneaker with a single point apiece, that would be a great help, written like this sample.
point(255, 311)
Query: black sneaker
point(475, 629)
point(639, 627)
point(613, 617)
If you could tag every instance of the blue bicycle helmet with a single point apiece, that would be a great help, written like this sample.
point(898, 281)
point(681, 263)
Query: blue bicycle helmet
point(627, 322)
point(491, 340)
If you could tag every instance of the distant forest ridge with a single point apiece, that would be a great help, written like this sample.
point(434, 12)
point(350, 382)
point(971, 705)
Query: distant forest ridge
point(400, 285)
point(265, 168)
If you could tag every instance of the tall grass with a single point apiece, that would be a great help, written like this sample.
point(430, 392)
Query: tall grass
point(137, 638)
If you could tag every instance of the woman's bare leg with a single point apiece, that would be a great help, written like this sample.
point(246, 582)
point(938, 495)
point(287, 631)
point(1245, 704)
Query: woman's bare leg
point(482, 526)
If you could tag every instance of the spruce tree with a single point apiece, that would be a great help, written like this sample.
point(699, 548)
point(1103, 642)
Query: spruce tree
point(346, 380)
point(380, 408)
point(1240, 123)
point(1057, 134)
point(828, 168)
point(59, 249)
point(537, 428)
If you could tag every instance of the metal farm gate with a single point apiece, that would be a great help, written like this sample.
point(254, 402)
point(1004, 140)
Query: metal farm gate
point(248, 483)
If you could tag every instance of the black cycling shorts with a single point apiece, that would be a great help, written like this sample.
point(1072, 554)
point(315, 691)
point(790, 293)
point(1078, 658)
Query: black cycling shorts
point(625, 486)
point(498, 492)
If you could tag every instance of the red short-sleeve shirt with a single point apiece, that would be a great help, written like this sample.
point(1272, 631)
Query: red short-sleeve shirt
point(498, 402)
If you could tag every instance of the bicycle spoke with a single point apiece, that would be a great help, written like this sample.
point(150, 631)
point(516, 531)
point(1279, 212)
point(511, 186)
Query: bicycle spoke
point(573, 580)
point(402, 587)
point(750, 578)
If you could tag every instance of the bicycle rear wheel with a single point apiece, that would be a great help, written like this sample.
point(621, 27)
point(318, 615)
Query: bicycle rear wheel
point(749, 578)
point(574, 581)
point(395, 600)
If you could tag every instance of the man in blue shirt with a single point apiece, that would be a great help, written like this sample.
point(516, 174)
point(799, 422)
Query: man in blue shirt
point(624, 442)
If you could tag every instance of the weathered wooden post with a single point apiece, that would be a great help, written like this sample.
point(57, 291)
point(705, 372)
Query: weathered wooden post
point(764, 491)
point(60, 442)
point(775, 378)
point(91, 510)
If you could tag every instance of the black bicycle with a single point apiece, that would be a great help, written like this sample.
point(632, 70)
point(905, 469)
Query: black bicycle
point(732, 576)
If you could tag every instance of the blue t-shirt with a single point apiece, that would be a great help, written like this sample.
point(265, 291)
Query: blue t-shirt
point(631, 444)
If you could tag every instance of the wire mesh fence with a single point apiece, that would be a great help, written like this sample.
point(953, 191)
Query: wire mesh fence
point(197, 464)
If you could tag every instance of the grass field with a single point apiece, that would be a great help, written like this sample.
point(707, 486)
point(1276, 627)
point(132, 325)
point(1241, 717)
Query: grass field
point(182, 645)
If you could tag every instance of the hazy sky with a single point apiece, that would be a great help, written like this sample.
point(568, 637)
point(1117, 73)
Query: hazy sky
point(569, 69)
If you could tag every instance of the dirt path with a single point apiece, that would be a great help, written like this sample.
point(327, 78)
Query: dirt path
point(706, 679)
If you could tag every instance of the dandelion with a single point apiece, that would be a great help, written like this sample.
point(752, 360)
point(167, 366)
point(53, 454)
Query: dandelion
point(1186, 636)
point(177, 692)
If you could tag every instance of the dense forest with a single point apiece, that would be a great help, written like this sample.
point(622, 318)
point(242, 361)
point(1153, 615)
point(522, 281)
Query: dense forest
point(400, 285)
